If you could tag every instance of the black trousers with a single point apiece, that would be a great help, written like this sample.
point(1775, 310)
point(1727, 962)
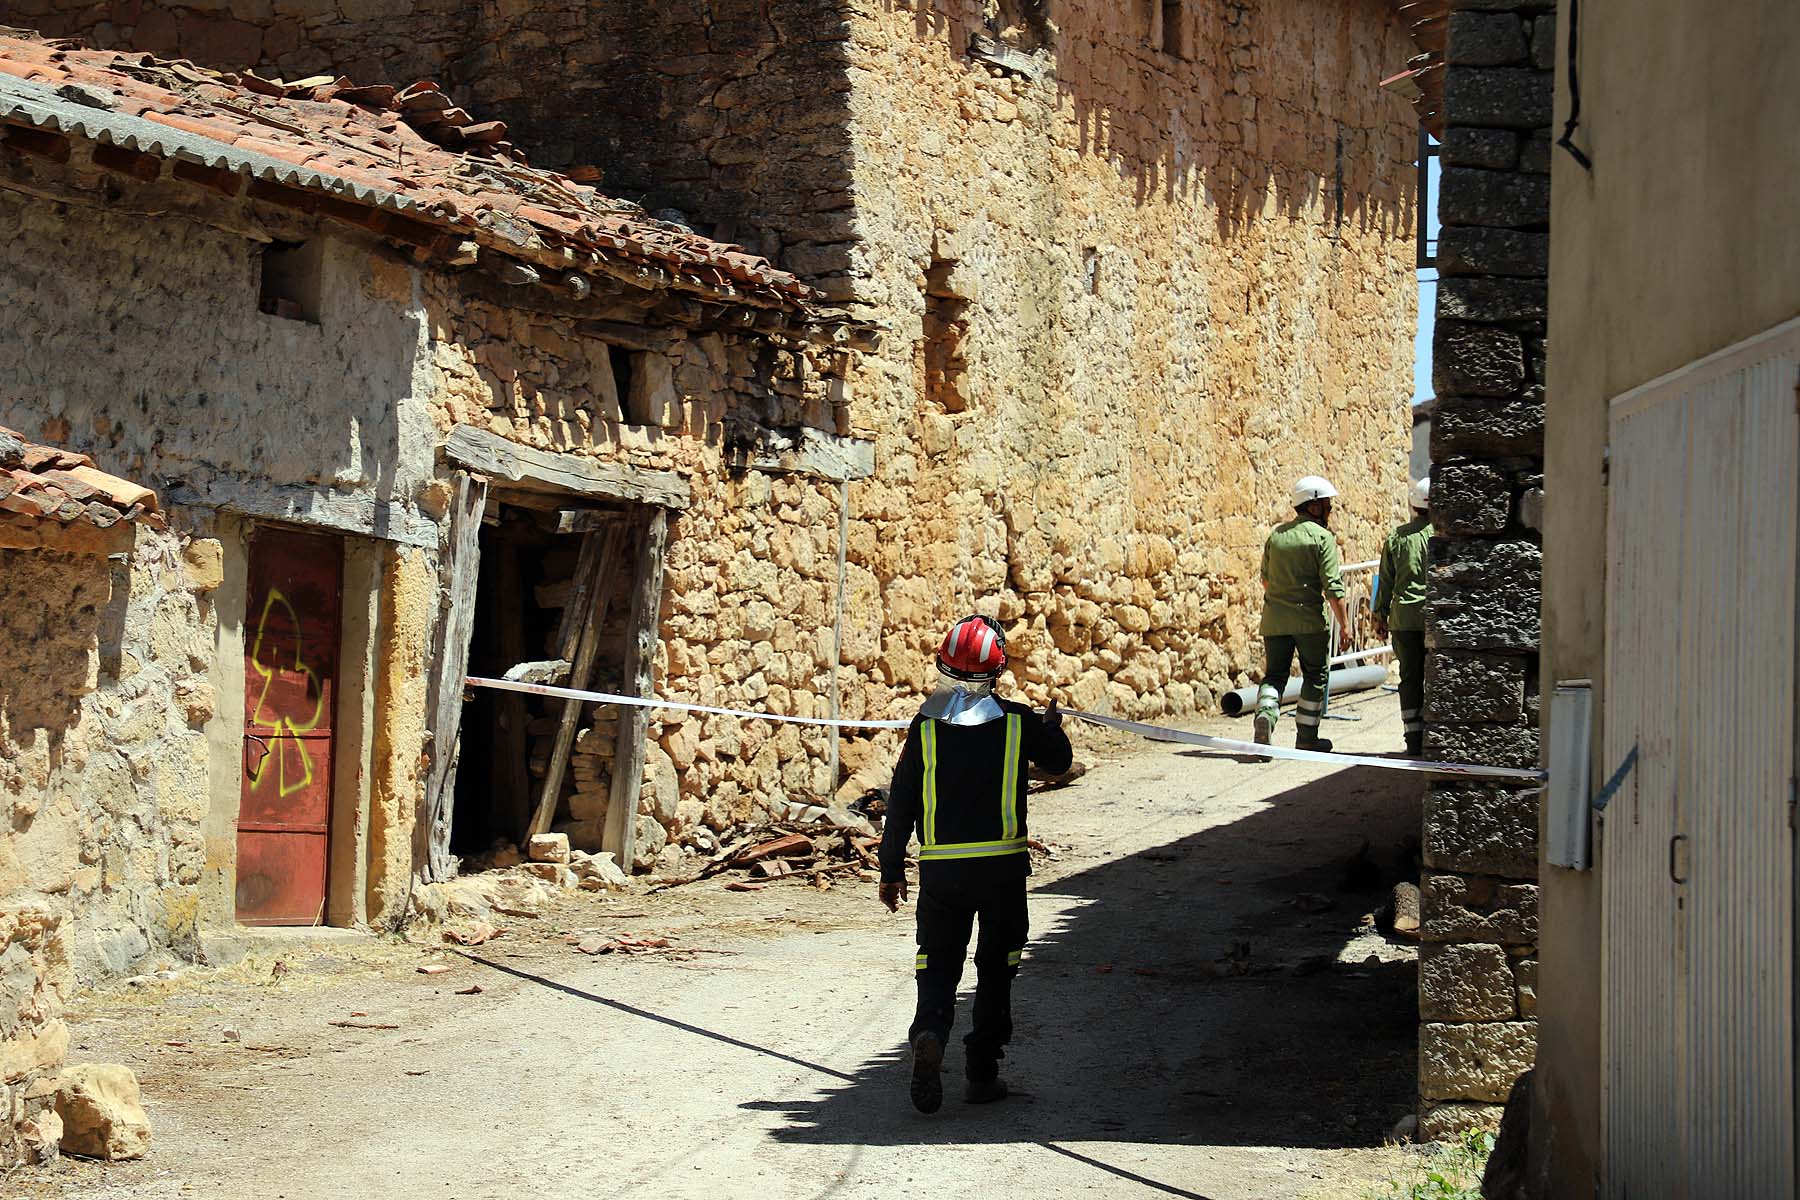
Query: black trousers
point(946, 914)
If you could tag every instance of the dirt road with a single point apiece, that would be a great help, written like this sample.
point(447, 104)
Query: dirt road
point(1203, 1012)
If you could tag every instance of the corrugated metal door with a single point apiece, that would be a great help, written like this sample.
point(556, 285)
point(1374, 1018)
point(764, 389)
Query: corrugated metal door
point(291, 637)
point(1698, 849)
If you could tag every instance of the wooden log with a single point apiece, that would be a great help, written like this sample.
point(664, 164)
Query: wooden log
point(620, 834)
point(548, 471)
point(511, 774)
point(782, 847)
point(457, 582)
point(582, 619)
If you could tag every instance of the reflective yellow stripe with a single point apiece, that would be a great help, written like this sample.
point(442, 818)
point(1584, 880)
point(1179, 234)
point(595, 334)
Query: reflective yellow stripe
point(928, 742)
point(973, 849)
point(1009, 783)
point(1012, 959)
point(919, 963)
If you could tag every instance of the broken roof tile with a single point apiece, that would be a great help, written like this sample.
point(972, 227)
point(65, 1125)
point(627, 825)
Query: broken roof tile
point(45, 483)
point(374, 145)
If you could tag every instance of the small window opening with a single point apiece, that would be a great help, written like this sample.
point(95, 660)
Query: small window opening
point(1021, 23)
point(290, 280)
point(623, 373)
point(1090, 271)
point(1174, 29)
point(946, 325)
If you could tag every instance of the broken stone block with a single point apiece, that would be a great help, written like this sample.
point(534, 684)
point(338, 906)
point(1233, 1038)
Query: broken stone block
point(599, 869)
point(1486, 428)
point(1465, 983)
point(41, 1137)
point(548, 848)
point(1475, 360)
point(204, 559)
point(102, 1114)
point(1475, 1061)
point(1470, 498)
point(1478, 908)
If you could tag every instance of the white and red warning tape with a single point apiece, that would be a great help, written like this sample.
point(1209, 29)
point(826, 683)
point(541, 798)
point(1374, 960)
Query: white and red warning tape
point(1156, 733)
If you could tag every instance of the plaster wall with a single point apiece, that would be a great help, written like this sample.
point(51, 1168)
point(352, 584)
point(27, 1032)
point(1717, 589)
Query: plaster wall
point(1688, 113)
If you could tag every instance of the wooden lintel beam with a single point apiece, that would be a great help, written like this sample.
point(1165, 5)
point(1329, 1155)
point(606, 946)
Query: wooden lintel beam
point(121, 161)
point(544, 470)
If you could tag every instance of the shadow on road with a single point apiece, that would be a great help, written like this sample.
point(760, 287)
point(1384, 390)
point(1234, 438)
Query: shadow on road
point(1188, 994)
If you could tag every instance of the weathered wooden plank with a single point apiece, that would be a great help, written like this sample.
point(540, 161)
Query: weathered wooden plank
point(341, 512)
point(996, 53)
point(820, 455)
point(584, 618)
point(525, 465)
point(458, 578)
point(585, 520)
point(511, 776)
point(640, 657)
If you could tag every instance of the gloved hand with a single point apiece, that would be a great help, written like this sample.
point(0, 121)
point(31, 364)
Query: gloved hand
point(1053, 716)
point(892, 894)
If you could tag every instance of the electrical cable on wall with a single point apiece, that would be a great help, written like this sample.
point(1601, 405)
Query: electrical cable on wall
point(1567, 140)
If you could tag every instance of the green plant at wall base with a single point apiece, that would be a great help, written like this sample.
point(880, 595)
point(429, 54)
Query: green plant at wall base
point(1452, 1173)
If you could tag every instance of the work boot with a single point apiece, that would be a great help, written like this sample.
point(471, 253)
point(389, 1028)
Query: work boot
point(1313, 742)
point(985, 1091)
point(927, 1072)
point(1265, 729)
point(1415, 745)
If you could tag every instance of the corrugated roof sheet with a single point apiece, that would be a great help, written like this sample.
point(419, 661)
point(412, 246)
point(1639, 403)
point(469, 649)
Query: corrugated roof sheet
point(409, 152)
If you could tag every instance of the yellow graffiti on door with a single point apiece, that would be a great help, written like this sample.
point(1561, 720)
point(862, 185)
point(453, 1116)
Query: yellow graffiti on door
point(283, 727)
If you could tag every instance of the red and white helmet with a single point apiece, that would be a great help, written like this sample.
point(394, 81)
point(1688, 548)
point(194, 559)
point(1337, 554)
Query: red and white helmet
point(974, 649)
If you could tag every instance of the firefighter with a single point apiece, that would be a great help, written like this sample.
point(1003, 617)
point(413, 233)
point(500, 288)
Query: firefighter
point(1300, 576)
point(961, 783)
point(1400, 609)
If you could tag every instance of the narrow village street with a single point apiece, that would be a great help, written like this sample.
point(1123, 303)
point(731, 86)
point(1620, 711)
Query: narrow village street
point(1204, 1011)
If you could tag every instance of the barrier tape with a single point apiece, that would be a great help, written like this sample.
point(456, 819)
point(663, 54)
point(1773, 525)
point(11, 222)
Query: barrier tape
point(1155, 733)
point(563, 693)
point(1162, 733)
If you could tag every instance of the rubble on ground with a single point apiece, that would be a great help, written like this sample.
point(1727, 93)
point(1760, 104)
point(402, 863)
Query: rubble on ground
point(101, 1113)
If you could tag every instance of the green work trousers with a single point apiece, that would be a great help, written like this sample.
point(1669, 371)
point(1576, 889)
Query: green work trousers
point(1314, 650)
point(1409, 648)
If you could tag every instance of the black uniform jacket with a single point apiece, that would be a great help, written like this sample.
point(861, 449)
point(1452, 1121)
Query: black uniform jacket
point(971, 771)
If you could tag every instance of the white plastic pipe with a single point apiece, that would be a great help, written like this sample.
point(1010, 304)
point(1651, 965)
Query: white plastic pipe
point(1359, 655)
point(1349, 679)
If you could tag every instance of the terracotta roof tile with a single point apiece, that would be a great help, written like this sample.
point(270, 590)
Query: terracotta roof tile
point(397, 144)
point(47, 484)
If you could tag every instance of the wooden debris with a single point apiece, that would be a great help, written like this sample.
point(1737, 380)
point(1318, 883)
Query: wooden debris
point(362, 1025)
point(475, 935)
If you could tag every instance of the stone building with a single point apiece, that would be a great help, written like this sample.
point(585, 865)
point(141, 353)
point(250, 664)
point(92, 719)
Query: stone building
point(1139, 265)
point(409, 411)
point(1478, 961)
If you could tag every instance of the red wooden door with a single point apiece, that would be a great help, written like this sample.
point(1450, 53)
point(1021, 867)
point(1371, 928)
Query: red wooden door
point(291, 634)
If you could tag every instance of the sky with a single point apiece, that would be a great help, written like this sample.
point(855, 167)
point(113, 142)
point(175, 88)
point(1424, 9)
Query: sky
point(1427, 301)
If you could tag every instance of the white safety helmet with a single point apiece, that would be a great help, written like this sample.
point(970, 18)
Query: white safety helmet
point(1313, 487)
point(1419, 494)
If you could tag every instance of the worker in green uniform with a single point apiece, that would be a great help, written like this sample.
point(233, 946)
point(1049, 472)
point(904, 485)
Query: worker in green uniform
point(1400, 610)
point(1300, 577)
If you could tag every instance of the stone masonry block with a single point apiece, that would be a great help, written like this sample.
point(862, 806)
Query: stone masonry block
point(1476, 360)
point(1525, 977)
point(1493, 745)
point(1493, 149)
point(1498, 97)
point(1481, 250)
point(1442, 1122)
point(1470, 498)
point(1463, 982)
point(1477, 908)
point(1506, 199)
point(1485, 39)
point(1468, 688)
point(1468, 427)
point(1481, 829)
point(1474, 1062)
point(1472, 298)
point(1543, 42)
point(1534, 155)
point(1484, 595)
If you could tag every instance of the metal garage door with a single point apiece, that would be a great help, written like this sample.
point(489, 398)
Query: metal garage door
point(1698, 850)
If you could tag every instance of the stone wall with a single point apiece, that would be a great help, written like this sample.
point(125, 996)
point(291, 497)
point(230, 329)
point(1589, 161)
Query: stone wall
point(1131, 296)
point(1478, 968)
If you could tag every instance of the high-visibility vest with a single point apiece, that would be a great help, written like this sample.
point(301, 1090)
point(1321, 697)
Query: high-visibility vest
point(1005, 814)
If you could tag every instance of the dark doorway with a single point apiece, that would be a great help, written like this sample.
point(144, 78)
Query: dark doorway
point(529, 562)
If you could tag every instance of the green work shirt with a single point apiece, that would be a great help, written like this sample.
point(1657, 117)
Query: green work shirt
point(1402, 600)
point(1299, 569)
